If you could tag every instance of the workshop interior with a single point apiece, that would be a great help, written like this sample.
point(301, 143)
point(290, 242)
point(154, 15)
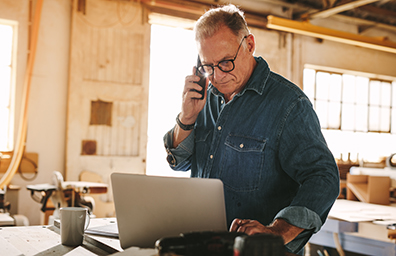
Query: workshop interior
point(89, 88)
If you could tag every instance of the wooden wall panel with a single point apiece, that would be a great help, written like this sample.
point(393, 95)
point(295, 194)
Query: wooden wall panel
point(122, 137)
point(113, 55)
point(110, 47)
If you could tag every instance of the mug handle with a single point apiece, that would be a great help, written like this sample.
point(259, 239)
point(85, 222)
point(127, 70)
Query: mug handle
point(87, 222)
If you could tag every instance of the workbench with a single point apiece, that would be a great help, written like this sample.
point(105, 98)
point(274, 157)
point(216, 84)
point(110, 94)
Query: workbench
point(45, 240)
point(360, 228)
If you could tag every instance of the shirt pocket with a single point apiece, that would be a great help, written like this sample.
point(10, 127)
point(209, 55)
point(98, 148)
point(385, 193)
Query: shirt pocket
point(243, 161)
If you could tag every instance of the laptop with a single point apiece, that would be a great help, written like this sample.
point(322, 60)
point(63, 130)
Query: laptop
point(150, 207)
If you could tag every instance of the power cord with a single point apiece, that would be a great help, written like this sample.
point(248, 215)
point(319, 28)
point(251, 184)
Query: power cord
point(35, 169)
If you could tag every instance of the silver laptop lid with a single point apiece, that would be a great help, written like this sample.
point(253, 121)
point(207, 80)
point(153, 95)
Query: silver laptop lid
point(151, 207)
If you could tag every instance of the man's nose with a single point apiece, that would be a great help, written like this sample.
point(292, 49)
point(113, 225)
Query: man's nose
point(218, 73)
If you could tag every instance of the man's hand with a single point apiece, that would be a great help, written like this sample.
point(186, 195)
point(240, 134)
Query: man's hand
point(279, 227)
point(191, 106)
point(191, 102)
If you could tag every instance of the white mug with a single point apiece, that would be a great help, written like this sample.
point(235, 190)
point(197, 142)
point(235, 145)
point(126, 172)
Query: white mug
point(73, 225)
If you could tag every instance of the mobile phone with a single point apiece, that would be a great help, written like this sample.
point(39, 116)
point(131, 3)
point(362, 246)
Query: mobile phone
point(202, 81)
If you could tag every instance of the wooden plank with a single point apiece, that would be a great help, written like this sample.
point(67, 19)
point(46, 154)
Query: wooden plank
point(378, 190)
point(307, 29)
point(129, 129)
point(340, 8)
point(360, 190)
point(113, 133)
point(136, 129)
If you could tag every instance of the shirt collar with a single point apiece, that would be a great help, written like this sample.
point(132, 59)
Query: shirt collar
point(257, 80)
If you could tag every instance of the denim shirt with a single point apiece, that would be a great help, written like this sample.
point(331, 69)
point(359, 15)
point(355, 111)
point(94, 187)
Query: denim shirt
point(267, 148)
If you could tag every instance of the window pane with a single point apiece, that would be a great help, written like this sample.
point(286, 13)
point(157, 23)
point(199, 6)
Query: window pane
point(349, 89)
point(335, 88)
point(5, 81)
point(5, 45)
point(375, 93)
point(386, 94)
point(385, 120)
point(334, 115)
point(322, 85)
point(374, 117)
point(362, 90)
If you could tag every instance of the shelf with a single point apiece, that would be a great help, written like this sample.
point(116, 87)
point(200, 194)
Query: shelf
point(368, 189)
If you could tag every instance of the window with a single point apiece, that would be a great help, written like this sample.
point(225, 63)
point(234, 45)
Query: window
point(357, 111)
point(173, 54)
point(7, 60)
point(351, 103)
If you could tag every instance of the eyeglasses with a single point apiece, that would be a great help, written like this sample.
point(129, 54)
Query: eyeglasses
point(224, 65)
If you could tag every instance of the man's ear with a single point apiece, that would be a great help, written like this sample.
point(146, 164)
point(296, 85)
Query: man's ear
point(251, 43)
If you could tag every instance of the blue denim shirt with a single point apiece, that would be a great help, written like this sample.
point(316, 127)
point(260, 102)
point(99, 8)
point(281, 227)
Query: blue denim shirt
point(267, 147)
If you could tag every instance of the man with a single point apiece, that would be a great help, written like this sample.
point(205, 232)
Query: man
point(257, 132)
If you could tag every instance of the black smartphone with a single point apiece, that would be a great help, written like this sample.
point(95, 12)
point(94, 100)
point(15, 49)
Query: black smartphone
point(202, 81)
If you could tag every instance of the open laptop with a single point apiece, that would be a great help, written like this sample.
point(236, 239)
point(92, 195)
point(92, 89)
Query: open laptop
point(150, 207)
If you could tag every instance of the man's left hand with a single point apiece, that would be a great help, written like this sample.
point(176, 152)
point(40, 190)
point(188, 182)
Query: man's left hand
point(279, 227)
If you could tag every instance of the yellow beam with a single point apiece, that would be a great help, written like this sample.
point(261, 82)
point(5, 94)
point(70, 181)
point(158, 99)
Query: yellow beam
point(305, 28)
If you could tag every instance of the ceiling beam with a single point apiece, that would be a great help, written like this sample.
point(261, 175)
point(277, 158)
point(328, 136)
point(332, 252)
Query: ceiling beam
point(378, 11)
point(340, 8)
point(305, 28)
point(194, 9)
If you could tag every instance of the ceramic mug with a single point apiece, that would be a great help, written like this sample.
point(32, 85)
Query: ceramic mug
point(73, 222)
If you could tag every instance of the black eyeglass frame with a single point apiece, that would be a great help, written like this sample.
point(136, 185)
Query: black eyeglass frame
point(201, 68)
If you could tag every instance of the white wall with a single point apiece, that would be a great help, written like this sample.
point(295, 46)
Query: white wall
point(285, 54)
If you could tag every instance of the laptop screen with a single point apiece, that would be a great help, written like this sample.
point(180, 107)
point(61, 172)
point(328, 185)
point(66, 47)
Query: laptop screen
point(150, 207)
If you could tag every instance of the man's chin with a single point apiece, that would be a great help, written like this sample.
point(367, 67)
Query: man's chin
point(223, 88)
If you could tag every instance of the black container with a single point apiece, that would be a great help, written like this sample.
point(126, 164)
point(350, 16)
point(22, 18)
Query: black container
point(259, 245)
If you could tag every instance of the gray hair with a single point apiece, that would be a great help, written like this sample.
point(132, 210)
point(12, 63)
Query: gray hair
point(211, 22)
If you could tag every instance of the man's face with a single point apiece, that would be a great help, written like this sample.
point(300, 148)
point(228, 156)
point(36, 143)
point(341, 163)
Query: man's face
point(224, 46)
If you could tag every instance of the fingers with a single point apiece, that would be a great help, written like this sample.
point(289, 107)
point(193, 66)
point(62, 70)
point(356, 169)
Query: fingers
point(249, 227)
point(238, 224)
point(192, 103)
point(235, 225)
point(190, 85)
point(191, 95)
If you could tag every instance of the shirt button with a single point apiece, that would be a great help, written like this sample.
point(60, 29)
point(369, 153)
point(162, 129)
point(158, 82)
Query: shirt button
point(219, 128)
point(211, 156)
point(241, 146)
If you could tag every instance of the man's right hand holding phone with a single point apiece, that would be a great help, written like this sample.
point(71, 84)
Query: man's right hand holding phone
point(192, 103)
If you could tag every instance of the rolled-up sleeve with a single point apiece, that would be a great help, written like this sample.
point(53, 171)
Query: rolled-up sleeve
point(300, 217)
point(182, 153)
